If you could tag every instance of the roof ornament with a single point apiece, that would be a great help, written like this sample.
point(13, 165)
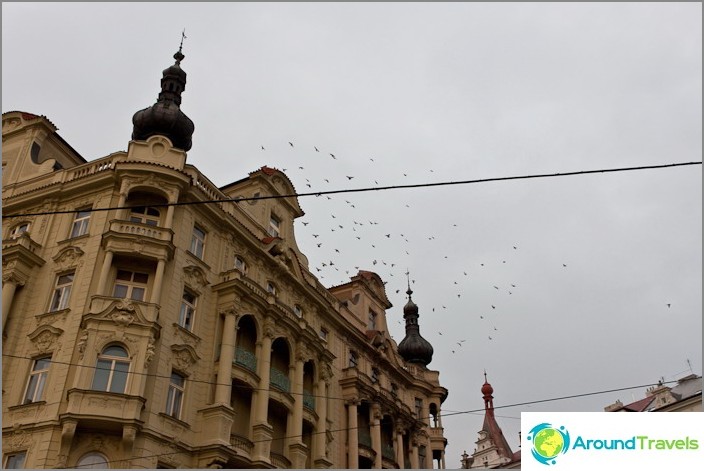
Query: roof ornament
point(179, 55)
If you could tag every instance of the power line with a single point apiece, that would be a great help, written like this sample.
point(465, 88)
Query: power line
point(346, 429)
point(367, 189)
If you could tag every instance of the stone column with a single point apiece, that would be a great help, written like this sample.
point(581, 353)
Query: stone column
point(442, 459)
point(352, 437)
point(399, 447)
point(158, 282)
point(223, 389)
point(9, 286)
point(414, 455)
point(104, 272)
point(170, 213)
point(262, 432)
point(321, 408)
point(122, 213)
point(297, 449)
point(375, 421)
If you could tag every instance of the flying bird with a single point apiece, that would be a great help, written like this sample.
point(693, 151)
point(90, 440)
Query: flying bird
point(263, 148)
point(316, 149)
point(333, 156)
point(349, 178)
point(291, 144)
point(305, 223)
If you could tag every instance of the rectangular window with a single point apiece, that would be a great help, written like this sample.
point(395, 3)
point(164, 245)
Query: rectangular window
point(15, 460)
point(274, 226)
point(371, 323)
point(130, 285)
point(62, 292)
point(375, 375)
point(145, 215)
point(175, 395)
point(323, 333)
point(198, 242)
point(240, 265)
point(80, 223)
point(352, 361)
point(419, 408)
point(37, 380)
point(19, 230)
point(188, 310)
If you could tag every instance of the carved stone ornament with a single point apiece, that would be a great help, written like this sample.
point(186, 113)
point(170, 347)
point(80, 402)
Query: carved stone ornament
point(17, 439)
point(269, 328)
point(122, 318)
point(150, 352)
point(82, 341)
point(325, 372)
point(68, 258)
point(44, 337)
point(195, 277)
point(184, 356)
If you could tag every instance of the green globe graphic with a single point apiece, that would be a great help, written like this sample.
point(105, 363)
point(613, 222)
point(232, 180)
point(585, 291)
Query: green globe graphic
point(548, 443)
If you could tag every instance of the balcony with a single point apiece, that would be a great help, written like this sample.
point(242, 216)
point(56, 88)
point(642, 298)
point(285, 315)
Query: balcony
point(246, 359)
point(279, 380)
point(130, 237)
point(280, 461)
point(387, 451)
point(365, 439)
point(103, 408)
point(241, 444)
point(103, 304)
point(142, 230)
point(308, 400)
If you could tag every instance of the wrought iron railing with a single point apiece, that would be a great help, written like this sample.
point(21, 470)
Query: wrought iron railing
point(387, 451)
point(280, 380)
point(308, 400)
point(365, 439)
point(246, 358)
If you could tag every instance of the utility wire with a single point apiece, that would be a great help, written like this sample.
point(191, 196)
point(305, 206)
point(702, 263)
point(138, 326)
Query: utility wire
point(360, 190)
point(345, 429)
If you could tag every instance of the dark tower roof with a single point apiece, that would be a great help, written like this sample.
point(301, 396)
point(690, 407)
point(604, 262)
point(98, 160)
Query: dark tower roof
point(414, 348)
point(165, 117)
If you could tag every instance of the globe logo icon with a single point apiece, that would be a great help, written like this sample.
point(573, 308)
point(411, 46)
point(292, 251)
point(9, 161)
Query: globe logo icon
point(548, 442)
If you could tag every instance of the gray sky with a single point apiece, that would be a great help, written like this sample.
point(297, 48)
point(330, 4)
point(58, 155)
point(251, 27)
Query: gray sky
point(433, 93)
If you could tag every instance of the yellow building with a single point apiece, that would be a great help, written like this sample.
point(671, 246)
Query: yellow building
point(147, 326)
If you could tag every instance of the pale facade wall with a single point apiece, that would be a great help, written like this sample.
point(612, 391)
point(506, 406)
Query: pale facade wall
point(131, 428)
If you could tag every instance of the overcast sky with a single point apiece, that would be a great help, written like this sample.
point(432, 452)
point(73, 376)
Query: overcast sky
point(409, 93)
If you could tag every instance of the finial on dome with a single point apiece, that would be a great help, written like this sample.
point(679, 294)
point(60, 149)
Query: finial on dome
point(410, 291)
point(179, 55)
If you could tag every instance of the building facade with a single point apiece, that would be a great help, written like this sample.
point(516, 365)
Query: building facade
point(685, 396)
point(146, 328)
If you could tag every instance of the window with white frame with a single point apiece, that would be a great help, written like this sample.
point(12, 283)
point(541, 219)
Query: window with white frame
point(197, 242)
point(371, 322)
point(130, 285)
point(111, 370)
point(37, 380)
point(240, 264)
point(92, 460)
point(274, 226)
point(15, 460)
point(145, 215)
point(188, 310)
point(80, 223)
point(19, 229)
point(174, 398)
point(352, 359)
point(62, 292)
point(375, 375)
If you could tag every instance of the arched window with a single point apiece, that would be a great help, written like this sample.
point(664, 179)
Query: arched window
point(92, 460)
point(145, 215)
point(111, 370)
point(240, 264)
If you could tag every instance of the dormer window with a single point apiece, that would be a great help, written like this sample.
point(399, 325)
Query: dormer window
point(240, 264)
point(19, 229)
point(274, 226)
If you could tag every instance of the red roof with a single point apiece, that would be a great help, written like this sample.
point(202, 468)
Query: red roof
point(638, 406)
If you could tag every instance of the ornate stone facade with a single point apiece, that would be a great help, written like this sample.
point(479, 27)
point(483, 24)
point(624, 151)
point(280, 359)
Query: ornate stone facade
point(147, 334)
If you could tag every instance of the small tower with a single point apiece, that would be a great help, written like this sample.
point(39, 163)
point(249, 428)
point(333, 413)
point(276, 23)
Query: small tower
point(414, 348)
point(165, 117)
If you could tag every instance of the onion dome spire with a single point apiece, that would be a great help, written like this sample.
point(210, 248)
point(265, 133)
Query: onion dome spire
point(165, 117)
point(414, 348)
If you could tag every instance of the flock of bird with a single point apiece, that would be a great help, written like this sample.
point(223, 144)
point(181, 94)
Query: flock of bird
point(351, 232)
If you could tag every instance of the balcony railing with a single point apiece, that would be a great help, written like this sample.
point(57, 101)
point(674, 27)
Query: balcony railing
point(387, 451)
point(143, 230)
point(365, 439)
point(246, 358)
point(280, 461)
point(241, 443)
point(308, 400)
point(279, 380)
